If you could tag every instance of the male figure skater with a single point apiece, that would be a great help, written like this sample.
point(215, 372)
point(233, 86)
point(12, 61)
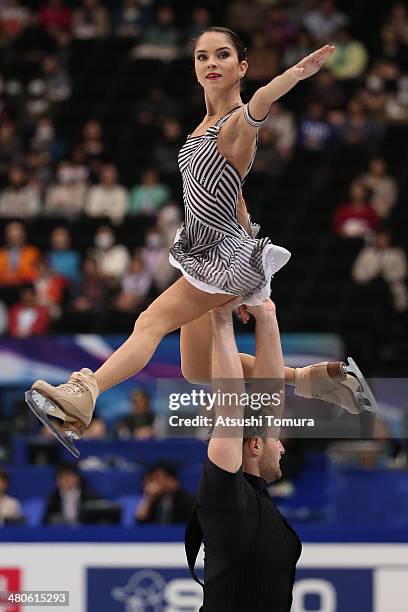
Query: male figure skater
point(250, 549)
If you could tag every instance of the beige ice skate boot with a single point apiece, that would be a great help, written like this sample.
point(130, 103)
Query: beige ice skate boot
point(73, 402)
point(338, 383)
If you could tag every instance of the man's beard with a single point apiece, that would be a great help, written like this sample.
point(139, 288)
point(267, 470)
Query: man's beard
point(269, 470)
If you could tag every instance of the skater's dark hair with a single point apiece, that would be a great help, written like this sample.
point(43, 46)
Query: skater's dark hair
point(238, 45)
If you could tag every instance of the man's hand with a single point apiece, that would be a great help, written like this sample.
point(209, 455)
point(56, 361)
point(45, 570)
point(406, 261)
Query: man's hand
point(256, 311)
point(313, 62)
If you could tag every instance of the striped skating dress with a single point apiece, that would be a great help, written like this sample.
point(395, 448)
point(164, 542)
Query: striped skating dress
point(212, 250)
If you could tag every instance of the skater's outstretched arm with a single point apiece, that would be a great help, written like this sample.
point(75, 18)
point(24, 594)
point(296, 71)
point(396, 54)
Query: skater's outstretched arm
point(239, 131)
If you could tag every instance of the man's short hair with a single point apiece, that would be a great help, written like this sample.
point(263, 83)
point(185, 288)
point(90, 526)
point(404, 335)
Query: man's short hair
point(164, 466)
point(71, 468)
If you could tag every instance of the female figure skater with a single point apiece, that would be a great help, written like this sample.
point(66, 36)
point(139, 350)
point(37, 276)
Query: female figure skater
point(215, 249)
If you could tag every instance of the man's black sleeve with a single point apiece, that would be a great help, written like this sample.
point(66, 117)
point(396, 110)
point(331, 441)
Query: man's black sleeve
point(219, 488)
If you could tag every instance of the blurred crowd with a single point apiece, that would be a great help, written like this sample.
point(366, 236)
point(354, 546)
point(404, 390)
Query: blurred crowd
point(48, 171)
point(74, 502)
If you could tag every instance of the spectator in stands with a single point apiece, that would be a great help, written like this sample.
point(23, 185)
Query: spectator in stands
point(109, 198)
point(19, 198)
point(281, 125)
point(156, 106)
point(13, 19)
point(149, 195)
point(62, 258)
point(66, 503)
point(267, 164)
point(328, 91)
point(382, 260)
point(200, 20)
point(45, 140)
point(136, 285)
point(91, 21)
point(139, 423)
point(263, 59)
point(10, 147)
point(244, 17)
point(57, 79)
point(131, 19)
point(315, 132)
point(350, 59)
point(36, 103)
point(396, 106)
point(166, 150)
point(357, 130)
point(66, 196)
point(383, 187)
point(153, 249)
point(79, 166)
point(49, 287)
point(34, 42)
point(398, 22)
point(301, 46)
point(324, 21)
point(112, 258)
point(390, 47)
point(356, 218)
point(279, 31)
point(18, 260)
point(92, 147)
point(161, 39)
point(168, 220)
point(10, 508)
point(164, 501)
point(156, 258)
point(88, 295)
point(38, 168)
point(27, 317)
point(54, 15)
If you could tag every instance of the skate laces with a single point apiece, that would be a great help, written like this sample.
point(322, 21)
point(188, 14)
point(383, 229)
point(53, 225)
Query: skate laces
point(75, 384)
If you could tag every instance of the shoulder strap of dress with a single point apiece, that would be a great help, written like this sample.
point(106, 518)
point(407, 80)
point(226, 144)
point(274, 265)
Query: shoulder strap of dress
point(223, 119)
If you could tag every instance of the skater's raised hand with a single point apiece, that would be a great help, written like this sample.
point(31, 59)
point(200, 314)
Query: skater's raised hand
point(312, 63)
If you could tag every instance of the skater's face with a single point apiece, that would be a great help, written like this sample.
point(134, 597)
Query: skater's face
point(216, 63)
point(267, 453)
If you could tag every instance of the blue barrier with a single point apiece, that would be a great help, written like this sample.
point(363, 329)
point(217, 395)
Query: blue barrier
point(157, 533)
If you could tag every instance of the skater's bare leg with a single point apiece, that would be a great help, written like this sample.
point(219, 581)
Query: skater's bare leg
point(74, 401)
point(178, 305)
point(195, 350)
point(325, 381)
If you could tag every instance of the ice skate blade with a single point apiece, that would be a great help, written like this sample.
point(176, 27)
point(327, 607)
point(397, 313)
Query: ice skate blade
point(40, 405)
point(367, 397)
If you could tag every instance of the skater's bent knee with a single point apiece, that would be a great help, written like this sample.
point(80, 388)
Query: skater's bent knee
point(149, 322)
point(193, 375)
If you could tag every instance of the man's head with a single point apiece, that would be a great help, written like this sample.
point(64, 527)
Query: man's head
point(14, 234)
point(140, 401)
point(162, 477)
point(104, 237)
point(262, 455)
point(109, 175)
point(60, 239)
point(68, 478)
